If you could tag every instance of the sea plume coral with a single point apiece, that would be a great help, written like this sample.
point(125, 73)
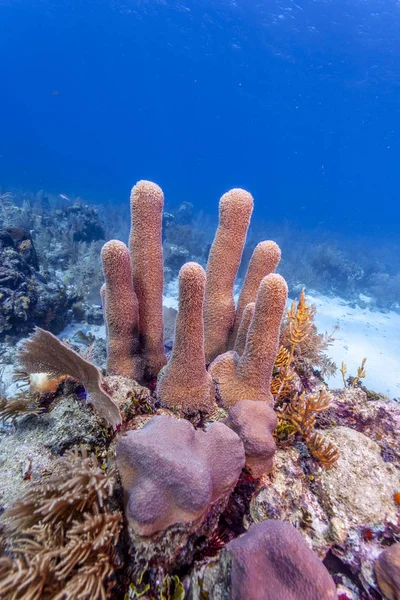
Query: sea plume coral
point(185, 383)
point(248, 377)
point(43, 352)
point(235, 210)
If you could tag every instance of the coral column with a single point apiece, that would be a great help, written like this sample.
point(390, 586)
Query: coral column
point(186, 385)
point(121, 312)
point(235, 210)
point(145, 244)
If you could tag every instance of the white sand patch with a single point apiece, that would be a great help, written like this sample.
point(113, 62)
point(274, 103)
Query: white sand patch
point(363, 333)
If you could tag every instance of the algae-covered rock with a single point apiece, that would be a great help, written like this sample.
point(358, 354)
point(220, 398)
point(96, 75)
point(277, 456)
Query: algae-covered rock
point(30, 446)
point(346, 510)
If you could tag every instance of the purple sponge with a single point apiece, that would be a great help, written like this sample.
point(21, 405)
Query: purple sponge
point(272, 561)
point(172, 473)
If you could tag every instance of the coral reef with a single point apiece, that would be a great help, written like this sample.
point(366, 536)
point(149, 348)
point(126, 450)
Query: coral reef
point(221, 504)
point(185, 383)
point(26, 298)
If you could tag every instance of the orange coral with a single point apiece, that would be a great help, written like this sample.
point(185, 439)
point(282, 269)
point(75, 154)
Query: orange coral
point(235, 210)
point(121, 312)
point(248, 377)
point(145, 244)
point(185, 383)
point(264, 261)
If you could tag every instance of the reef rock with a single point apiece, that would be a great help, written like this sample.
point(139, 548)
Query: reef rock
point(344, 511)
point(254, 422)
point(177, 481)
point(377, 416)
point(26, 298)
point(270, 561)
point(29, 447)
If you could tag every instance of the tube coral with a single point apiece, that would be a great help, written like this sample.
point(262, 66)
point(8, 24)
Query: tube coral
point(121, 312)
point(248, 377)
point(264, 261)
point(235, 210)
point(145, 244)
point(185, 383)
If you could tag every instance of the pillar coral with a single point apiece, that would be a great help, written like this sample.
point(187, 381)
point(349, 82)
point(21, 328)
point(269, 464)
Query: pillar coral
point(121, 312)
point(240, 341)
point(145, 242)
point(185, 384)
point(235, 210)
point(248, 377)
point(264, 261)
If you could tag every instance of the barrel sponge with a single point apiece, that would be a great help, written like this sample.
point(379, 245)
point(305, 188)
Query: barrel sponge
point(172, 473)
point(185, 384)
point(121, 311)
point(264, 261)
point(248, 377)
point(235, 210)
point(145, 243)
point(272, 560)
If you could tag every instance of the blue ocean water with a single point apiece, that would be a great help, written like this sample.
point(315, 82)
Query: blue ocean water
point(298, 102)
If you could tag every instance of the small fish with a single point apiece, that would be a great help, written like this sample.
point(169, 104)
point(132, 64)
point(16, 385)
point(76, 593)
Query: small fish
point(64, 197)
point(168, 344)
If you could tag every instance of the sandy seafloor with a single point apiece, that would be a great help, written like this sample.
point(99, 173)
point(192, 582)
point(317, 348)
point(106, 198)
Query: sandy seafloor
point(363, 332)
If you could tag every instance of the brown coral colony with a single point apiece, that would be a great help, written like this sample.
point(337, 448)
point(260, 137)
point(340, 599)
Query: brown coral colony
point(216, 405)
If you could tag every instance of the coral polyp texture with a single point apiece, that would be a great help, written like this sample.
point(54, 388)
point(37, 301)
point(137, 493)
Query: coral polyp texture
point(185, 384)
point(235, 210)
point(241, 336)
point(145, 243)
point(264, 261)
point(121, 312)
point(273, 561)
point(248, 377)
point(173, 473)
